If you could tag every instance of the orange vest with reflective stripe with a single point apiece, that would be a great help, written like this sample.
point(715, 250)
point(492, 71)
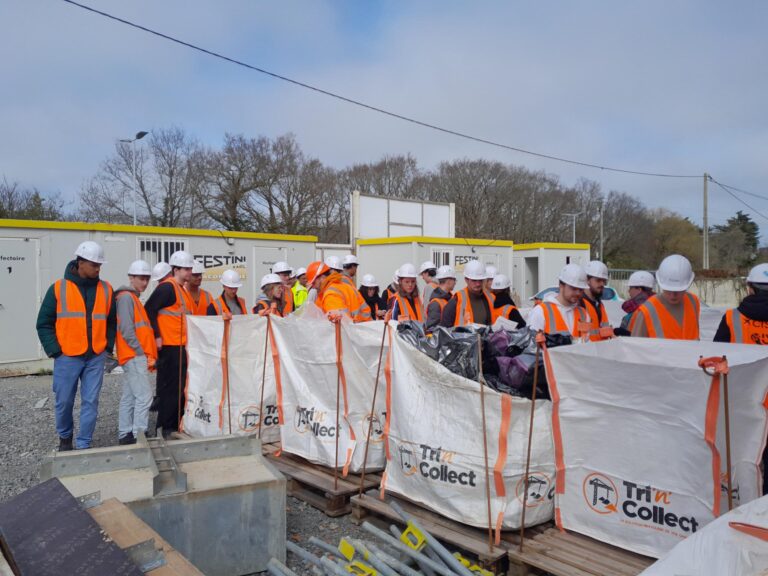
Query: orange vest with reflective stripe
point(595, 323)
point(502, 312)
point(144, 333)
point(71, 326)
point(201, 308)
point(171, 320)
point(554, 323)
point(464, 313)
point(339, 296)
point(745, 330)
point(220, 305)
point(661, 324)
point(404, 309)
point(288, 306)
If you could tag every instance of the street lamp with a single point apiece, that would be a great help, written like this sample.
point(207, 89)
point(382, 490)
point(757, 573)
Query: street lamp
point(132, 142)
point(573, 215)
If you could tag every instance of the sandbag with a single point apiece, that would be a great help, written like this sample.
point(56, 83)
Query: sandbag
point(435, 450)
point(208, 411)
point(639, 437)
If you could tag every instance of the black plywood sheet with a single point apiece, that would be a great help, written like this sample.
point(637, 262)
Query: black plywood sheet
point(47, 532)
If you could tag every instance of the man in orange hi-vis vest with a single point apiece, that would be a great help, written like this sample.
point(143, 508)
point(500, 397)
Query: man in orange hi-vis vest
point(335, 296)
point(167, 309)
point(446, 278)
point(473, 304)
point(597, 277)
point(561, 313)
point(136, 353)
point(76, 326)
point(674, 312)
point(200, 298)
point(748, 324)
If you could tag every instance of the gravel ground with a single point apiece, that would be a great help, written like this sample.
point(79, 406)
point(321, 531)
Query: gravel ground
point(27, 434)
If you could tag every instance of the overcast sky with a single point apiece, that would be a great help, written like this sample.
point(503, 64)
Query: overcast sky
point(678, 87)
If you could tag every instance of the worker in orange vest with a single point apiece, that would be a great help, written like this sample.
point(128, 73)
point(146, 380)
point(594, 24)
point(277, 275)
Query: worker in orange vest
point(390, 290)
point(228, 304)
point(561, 312)
point(167, 309)
point(748, 324)
point(406, 304)
point(285, 273)
point(136, 353)
point(597, 278)
point(503, 305)
point(200, 298)
point(446, 282)
point(270, 301)
point(674, 312)
point(473, 304)
point(76, 326)
point(335, 296)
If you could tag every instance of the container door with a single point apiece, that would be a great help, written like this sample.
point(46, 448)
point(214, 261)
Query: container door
point(19, 299)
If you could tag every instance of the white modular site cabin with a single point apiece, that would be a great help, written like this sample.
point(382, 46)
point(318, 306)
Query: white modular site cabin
point(537, 266)
point(33, 255)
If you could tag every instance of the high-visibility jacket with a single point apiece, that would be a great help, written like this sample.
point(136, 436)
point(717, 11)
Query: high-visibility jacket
point(339, 296)
point(144, 333)
point(220, 305)
point(71, 324)
point(464, 314)
point(744, 330)
point(288, 305)
point(404, 309)
point(262, 305)
point(348, 280)
point(299, 293)
point(502, 312)
point(201, 308)
point(661, 324)
point(554, 323)
point(172, 320)
point(596, 322)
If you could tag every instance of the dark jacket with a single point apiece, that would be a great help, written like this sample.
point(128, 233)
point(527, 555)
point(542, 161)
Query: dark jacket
point(434, 312)
point(46, 317)
point(375, 302)
point(754, 307)
point(503, 299)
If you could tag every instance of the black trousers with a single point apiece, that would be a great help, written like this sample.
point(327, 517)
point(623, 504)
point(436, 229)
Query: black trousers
point(171, 379)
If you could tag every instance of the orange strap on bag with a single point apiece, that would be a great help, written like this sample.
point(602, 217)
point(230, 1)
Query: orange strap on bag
point(224, 373)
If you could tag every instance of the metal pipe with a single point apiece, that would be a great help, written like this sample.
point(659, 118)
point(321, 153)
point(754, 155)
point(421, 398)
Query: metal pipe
point(450, 559)
point(381, 566)
point(430, 553)
point(332, 568)
point(277, 568)
point(391, 560)
point(329, 548)
point(439, 568)
point(301, 553)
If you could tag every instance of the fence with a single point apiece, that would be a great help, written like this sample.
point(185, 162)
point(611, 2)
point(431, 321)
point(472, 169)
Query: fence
point(715, 292)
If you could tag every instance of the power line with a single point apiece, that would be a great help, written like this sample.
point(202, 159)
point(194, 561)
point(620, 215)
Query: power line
point(733, 188)
point(375, 108)
point(755, 210)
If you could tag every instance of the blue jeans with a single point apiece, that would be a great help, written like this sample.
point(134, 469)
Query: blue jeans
point(67, 372)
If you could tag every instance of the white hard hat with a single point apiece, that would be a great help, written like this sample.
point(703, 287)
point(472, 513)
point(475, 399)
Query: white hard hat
point(500, 282)
point(758, 274)
point(91, 251)
point(333, 262)
point(299, 272)
point(596, 269)
point(445, 272)
point(182, 259)
point(574, 275)
point(282, 267)
point(474, 270)
point(139, 268)
point(490, 272)
point(407, 270)
point(350, 259)
point(675, 273)
point(643, 279)
point(231, 279)
point(427, 265)
point(160, 270)
point(369, 281)
point(270, 279)
point(395, 279)
point(197, 267)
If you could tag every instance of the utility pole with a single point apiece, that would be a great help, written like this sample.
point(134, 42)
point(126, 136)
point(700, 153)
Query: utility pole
point(705, 251)
point(573, 223)
point(602, 206)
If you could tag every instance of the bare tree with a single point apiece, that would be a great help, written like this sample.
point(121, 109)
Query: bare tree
point(28, 204)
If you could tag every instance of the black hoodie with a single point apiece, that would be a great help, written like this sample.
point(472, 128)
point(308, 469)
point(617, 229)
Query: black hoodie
point(754, 307)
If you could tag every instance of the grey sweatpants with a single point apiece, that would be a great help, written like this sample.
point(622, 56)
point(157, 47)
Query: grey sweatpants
point(136, 398)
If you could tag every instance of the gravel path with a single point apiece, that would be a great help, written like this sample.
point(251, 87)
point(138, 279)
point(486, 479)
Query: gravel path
point(27, 434)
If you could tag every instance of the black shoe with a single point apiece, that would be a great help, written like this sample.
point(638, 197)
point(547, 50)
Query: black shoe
point(155, 404)
point(65, 444)
point(127, 439)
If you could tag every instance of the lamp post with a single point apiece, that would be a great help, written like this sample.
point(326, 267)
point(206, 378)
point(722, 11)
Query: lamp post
point(132, 142)
point(573, 215)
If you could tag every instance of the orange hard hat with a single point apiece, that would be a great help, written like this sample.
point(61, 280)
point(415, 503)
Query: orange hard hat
point(314, 270)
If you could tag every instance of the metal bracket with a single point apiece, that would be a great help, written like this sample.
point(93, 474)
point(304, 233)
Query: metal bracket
point(145, 555)
point(90, 500)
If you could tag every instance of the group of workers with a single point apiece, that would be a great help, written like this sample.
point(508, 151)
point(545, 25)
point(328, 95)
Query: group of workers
point(82, 319)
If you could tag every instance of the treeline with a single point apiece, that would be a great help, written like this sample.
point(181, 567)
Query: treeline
point(271, 185)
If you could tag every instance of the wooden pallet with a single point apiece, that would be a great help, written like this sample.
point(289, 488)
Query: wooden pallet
point(315, 485)
point(563, 553)
point(472, 542)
